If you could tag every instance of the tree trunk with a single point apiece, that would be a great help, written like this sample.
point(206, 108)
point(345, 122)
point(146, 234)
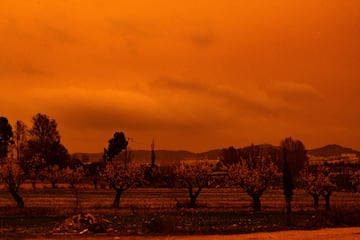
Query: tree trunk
point(288, 211)
point(17, 198)
point(53, 185)
point(316, 200)
point(327, 201)
point(77, 200)
point(95, 183)
point(288, 187)
point(193, 197)
point(116, 203)
point(256, 202)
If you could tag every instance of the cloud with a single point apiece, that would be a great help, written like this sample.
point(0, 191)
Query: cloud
point(29, 69)
point(128, 28)
point(248, 99)
point(202, 39)
point(295, 91)
point(106, 109)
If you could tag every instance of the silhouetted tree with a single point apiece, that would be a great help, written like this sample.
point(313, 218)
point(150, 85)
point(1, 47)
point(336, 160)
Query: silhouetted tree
point(93, 171)
point(253, 173)
point(152, 174)
point(6, 135)
point(20, 144)
point(125, 157)
point(13, 176)
point(294, 158)
point(119, 176)
point(116, 145)
point(230, 156)
point(153, 157)
point(45, 141)
point(197, 175)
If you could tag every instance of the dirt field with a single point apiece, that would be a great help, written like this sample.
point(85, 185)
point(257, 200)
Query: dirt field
point(323, 234)
point(221, 211)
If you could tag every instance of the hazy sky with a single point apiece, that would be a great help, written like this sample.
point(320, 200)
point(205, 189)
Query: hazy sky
point(193, 74)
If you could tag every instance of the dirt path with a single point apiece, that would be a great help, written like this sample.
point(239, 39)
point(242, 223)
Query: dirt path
point(323, 234)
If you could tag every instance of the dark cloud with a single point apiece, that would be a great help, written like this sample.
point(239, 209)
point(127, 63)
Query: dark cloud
point(295, 91)
point(255, 100)
point(91, 109)
point(127, 28)
point(56, 33)
point(202, 39)
point(28, 69)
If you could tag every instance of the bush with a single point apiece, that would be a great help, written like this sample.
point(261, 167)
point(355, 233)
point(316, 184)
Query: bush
point(336, 217)
point(343, 216)
point(159, 224)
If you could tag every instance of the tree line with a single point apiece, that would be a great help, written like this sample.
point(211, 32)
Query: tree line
point(36, 153)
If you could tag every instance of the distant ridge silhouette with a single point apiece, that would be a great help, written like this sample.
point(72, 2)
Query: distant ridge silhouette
point(177, 155)
point(331, 150)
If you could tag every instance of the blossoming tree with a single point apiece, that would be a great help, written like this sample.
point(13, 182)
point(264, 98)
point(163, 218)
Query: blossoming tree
point(195, 176)
point(13, 177)
point(253, 173)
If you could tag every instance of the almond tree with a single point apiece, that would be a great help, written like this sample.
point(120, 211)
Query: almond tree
point(253, 173)
point(53, 175)
point(326, 184)
point(318, 183)
point(196, 176)
point(13, 176)
point(312, 185)
point(121, 178)
point(74, 177)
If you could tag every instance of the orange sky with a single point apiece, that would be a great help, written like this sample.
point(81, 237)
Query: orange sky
point(195, 74)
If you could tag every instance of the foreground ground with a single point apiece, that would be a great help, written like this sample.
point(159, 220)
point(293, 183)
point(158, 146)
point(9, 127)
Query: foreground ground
point(323, 234)
point(155, 212)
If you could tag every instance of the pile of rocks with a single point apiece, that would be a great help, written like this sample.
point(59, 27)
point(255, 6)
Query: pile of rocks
point(83, 223)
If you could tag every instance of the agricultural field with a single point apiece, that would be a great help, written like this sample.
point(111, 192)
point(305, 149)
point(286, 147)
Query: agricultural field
point(149, 211)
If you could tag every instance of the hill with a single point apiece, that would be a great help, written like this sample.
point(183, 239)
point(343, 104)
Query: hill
point(144, 156)
point(331, 150)
point(170, 156)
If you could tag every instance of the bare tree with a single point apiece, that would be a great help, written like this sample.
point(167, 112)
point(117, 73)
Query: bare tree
point(196, 176)
point(13, 176)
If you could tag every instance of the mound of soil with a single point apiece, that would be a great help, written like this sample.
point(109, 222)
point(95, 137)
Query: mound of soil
point(83, 223)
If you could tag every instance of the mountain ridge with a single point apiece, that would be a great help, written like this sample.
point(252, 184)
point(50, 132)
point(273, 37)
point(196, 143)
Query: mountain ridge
point(213, 154)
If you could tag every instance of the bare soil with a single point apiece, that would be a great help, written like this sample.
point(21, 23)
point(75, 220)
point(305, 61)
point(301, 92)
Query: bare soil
point(322, 234)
